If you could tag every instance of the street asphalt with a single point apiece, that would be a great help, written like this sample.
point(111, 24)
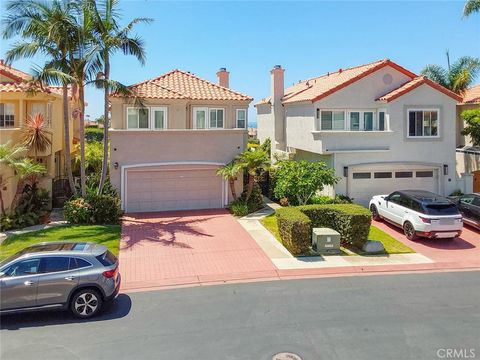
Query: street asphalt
point(414, 316)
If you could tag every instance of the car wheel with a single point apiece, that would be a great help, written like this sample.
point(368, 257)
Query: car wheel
point(409, 231)
point(374, 211)
point(86, 303)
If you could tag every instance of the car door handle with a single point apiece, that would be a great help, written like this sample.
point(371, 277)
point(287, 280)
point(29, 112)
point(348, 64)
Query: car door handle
point(70, 278)
point(28, 283)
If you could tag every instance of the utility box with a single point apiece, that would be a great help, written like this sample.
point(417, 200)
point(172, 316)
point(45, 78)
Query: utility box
point(325, 241)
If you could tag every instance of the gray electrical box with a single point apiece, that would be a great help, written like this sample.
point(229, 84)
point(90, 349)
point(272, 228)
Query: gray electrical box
point(326, 241)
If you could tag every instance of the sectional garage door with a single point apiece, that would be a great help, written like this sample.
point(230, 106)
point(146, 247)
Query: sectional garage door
point(178, 188)
point(364, 182)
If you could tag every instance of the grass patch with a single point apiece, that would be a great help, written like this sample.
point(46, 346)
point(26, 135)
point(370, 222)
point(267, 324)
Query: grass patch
point(108, 235)
point(392, 246)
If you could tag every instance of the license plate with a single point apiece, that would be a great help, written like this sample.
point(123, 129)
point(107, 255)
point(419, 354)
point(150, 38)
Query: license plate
point(446, 235)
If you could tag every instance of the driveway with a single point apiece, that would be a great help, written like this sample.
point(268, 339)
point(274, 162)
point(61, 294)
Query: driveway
point(188, 247)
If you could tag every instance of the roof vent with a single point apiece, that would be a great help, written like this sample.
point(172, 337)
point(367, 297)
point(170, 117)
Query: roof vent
point(222, 69)
point(277, 67)
point(340, 70)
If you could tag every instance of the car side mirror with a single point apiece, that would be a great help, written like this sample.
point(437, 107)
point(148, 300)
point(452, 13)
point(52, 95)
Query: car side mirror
point(2, 274)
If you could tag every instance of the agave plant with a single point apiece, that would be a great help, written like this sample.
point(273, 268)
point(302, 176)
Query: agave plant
point(35, 134)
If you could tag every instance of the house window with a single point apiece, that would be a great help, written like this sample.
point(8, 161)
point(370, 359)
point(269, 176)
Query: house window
point(422, 123)
point(332, 120)
point(216, 118)
point(137, 118)
point(241, 118)
point(382, 175)
point(200, 118)
point(355, 121)
point(424, 174)
point(381, 121)
point(403, 174)
point(361, 120)
point(362, 175)
point(159, 118)
point(7, 115)
point(368, 121)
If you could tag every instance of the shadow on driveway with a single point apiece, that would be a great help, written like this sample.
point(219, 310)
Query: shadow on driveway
point(114, 310)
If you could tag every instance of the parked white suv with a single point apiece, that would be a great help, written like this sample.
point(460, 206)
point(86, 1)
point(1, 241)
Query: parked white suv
point(419, 213)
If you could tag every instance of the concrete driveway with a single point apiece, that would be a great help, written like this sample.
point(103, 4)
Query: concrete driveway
point(188, 247)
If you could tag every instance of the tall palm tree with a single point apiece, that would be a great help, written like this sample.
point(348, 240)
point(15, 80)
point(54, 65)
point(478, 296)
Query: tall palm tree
point(471, 6)
point(49, 29)
point(111, 38)
point(458, 76)
point(229, 172)
point(253, 162)
point(35, 135)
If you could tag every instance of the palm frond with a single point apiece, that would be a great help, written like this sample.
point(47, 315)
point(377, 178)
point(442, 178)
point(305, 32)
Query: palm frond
point(436, 73)
point(471, 6)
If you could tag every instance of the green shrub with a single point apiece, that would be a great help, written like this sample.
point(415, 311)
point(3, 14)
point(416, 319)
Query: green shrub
point(93, 134)
point(256, 199)
point(94, 209)
point(239, 207)
point(295, 230)
point(296, 223)
point(323, 199)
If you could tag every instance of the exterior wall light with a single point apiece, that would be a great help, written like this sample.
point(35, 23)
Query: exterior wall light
point(345, 171)
point(115, 165)
point(445, 169)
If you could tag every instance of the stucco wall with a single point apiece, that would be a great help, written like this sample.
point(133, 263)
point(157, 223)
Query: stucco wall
point(265, 124)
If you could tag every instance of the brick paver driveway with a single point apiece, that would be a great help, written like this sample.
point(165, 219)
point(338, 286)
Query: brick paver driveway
point(188, 247)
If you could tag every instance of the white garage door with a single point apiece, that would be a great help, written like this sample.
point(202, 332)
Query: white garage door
point(366, 182)
point(173, 189)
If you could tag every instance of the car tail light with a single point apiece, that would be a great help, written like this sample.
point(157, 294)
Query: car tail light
point(110, 273)
point(425, 220)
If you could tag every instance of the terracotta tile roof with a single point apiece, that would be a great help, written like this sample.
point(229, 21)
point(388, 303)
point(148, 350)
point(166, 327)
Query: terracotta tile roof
point(472, 95)
point(413, 84)
point(322, 86)
point(178, 84)
point(14, 74)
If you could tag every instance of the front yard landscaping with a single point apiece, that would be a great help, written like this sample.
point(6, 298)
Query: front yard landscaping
point(392, 246)
point(108, 235)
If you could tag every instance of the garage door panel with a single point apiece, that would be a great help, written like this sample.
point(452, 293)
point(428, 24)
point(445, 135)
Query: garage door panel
point(173, 189)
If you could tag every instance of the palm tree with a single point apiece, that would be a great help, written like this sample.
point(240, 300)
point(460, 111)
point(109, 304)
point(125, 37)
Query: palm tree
point(8, 156)
point(34, 134)
point(458, 76)
point(471, 6)
point(253, 162)
point(27, 172)
point(47, 28)
point(111, 38)
point(229, 172)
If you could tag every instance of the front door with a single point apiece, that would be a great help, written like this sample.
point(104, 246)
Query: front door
point(476, 181)
point(18, 286)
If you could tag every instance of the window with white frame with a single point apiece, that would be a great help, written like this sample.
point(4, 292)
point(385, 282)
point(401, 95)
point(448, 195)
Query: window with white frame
point(381, 121)
point(332, 120)
point(137, 118)
point(241, 118)
point(423, 123)
point(216, 118)
point(200, 118)
point(361, 120)
point(7, 115)
point(159, 118)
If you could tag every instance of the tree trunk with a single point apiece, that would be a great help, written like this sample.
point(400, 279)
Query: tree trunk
point(231, 183)
point(250, 185)
point(66, 140)
point(81, 96)
point(2, 204)
point(106, 124)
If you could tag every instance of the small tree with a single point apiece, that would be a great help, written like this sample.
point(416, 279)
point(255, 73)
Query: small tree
point(472, 118)
point(300, 180)
point(229, 172)
point(253, 162)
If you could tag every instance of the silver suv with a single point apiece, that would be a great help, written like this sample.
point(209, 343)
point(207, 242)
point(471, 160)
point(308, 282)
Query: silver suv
point(79, 276)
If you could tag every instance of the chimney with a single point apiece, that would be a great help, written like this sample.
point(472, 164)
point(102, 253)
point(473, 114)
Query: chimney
point(223, 77)
point(278, 86)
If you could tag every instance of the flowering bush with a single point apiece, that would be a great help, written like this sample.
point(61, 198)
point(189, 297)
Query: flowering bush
point(94, 209)
point(78, 211)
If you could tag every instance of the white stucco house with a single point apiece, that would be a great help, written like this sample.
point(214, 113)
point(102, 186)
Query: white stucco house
point(379, 125)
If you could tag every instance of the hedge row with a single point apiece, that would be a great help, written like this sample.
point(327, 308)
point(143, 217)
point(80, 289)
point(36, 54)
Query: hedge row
point(295, 224)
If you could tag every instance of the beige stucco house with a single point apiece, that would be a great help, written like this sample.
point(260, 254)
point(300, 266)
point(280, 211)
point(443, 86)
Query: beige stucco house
point(164, 156)
point(18, 99)
point(468, 155)
point(379, 125)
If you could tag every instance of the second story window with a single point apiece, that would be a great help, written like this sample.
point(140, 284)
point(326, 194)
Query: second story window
point(216, 118)
point(137, 118)
point(241, 118)
point(159, 118)
point(7, 115)
point(332, 120)
point(423, 123)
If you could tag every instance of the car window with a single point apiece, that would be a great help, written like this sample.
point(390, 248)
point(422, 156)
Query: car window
point(416, 206)
point(476, 201)
point(77, 263)
point(107, 258)
point(23, 267)
point(441, 209)
point(467, 199)
point(405, 201)
point(54, 264)
point(395, 198)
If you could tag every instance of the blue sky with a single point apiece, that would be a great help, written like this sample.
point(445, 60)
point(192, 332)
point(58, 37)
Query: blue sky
point(306, 38)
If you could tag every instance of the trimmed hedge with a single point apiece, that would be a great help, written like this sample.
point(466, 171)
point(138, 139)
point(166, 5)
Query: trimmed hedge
point(295, 224)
